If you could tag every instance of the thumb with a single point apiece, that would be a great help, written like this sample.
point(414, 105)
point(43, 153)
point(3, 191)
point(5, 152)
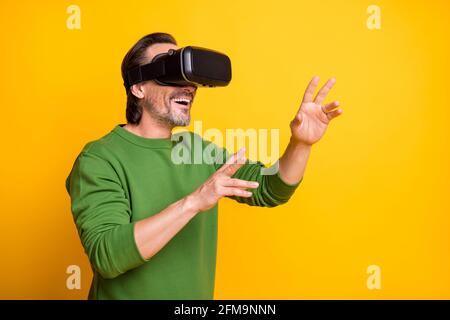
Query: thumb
point(298, 119)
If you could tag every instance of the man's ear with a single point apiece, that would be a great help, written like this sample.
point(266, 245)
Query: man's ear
point(137, 90)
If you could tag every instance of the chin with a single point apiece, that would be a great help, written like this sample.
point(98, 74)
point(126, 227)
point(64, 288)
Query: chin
point(185, 123)
point(181, 120)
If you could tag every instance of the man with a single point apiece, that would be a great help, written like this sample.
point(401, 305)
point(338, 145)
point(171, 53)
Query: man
point(148, 225)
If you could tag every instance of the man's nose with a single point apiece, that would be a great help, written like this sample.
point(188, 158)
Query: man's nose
point(191, 89)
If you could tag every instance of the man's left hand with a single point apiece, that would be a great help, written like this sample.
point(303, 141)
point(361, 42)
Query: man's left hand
point(312, 119)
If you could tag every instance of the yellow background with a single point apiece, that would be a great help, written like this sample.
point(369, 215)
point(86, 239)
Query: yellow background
point(376, 190)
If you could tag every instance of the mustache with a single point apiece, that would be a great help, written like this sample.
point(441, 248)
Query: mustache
point(182, 93)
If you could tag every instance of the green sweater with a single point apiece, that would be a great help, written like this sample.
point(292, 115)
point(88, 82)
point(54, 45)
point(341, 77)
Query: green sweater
point(123, 178)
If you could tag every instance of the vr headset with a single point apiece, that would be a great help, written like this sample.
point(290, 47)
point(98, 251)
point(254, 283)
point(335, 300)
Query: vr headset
point(184, 67)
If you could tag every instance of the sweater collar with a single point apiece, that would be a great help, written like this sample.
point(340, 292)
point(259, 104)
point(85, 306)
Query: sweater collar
point(141, 141)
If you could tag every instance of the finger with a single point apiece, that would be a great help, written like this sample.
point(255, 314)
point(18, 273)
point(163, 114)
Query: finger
point(238, 183)
point(329, 107)
point(236, 161)
point(231, 168)
point(324, 91)
point(237, 192)
point(309, 93)
point(333, 114)
point(233, 159)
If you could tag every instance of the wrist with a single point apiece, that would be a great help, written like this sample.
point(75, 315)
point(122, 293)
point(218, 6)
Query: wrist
point(189, 205)
point(298, 144)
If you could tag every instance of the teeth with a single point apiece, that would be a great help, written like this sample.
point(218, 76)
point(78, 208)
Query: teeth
point(182, 100)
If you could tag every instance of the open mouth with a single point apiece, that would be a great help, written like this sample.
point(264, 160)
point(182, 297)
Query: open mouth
point(182, 101)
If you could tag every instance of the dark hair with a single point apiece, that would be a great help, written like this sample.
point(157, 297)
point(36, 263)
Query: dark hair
point(134, 57)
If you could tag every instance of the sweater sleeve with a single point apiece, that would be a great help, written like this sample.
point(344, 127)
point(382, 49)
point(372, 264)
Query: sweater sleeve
point(102, 214)
point(272, 190)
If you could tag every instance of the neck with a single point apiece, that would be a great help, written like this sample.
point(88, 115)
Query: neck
point(150, 128)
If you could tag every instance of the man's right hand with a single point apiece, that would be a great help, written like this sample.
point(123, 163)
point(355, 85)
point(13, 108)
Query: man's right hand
point(221, 184)
point(153, 233)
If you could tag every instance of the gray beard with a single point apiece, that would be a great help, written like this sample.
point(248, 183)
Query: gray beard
point(169, 116)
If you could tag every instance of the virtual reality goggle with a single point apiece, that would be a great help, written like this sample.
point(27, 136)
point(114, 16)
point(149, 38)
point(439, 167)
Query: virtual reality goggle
point(184, 67)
